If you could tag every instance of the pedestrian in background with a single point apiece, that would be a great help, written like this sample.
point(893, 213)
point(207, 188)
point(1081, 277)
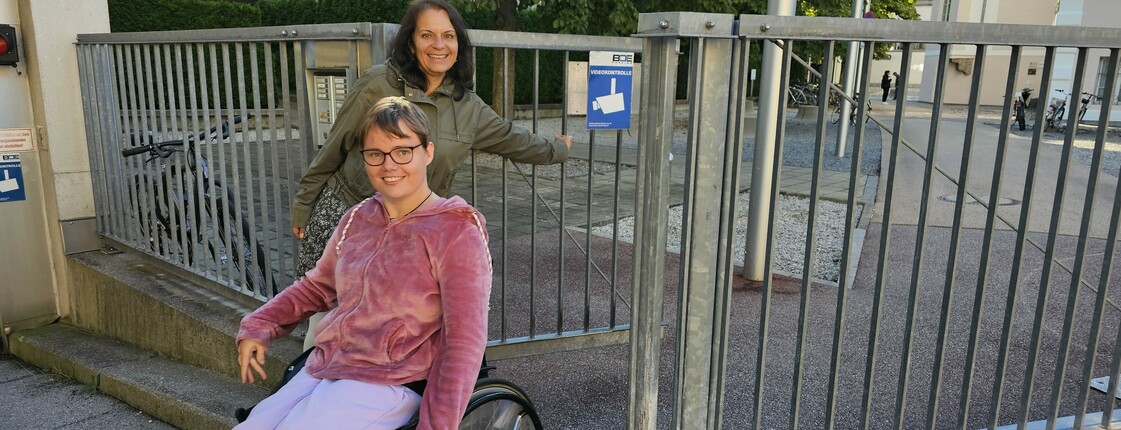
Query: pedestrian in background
point(885, 84)
point(895, 87)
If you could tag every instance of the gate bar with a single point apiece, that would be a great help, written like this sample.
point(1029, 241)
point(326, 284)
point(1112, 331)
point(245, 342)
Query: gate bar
point(986, 244)
point(1048, 262)
point(1080, 257)
point(955, 234)
point(769, 255)
point(811, 230)
point(1107, 261)
point(1021, 241)
point(850, 224)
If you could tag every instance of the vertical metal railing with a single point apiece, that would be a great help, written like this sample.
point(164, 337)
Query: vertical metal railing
point(218, 209)
point(906, 348)
point(903, 344)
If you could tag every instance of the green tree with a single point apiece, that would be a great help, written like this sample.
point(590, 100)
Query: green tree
point(164, 15)
point(505, 18)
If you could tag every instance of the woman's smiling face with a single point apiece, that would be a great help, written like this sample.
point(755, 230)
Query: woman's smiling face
point(435, 45)
point(396, 181)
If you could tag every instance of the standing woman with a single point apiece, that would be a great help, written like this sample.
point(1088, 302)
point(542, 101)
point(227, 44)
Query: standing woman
point(885, 84)
point(425, 67)
point(406, 277)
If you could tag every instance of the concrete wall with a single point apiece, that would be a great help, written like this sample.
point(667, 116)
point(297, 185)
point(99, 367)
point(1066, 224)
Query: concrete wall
point(57, 167)
point(1029, 12)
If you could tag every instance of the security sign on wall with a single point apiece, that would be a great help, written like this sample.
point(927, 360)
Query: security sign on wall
point(609, 90)
point(11, 179)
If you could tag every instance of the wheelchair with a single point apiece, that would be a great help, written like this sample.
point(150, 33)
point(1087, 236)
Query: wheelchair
point(495, 404)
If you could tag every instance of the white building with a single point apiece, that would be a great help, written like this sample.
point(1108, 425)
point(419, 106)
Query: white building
point(1084, 13)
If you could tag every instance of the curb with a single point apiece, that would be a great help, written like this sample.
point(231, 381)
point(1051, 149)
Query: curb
point(181, 395)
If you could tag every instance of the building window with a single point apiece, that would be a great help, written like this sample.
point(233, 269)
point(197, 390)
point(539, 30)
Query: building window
point(1103, 64)
point(946, 4)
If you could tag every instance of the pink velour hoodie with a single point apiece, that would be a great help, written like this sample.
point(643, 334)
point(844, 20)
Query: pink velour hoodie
point(412, 295)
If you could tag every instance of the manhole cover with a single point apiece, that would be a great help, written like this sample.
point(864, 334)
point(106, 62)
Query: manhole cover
point(1003, 201)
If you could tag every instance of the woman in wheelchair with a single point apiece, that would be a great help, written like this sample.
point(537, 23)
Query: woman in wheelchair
point(410, 273)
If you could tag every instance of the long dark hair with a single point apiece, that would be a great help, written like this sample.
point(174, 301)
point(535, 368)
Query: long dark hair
point(461, 73)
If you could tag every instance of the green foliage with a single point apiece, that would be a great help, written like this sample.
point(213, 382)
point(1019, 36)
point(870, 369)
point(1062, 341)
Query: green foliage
point(91, 387)
point(287, 12)
point(594, 17)
point(551, 63)
point(163, 15)
point(330, 11)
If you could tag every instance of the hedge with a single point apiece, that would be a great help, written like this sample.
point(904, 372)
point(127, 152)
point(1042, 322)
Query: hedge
point(168, 15)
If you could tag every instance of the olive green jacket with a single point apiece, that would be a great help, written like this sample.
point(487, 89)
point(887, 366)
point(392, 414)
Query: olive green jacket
point(456, 128)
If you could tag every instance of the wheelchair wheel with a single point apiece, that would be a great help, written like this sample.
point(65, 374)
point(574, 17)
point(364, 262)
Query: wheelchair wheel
point(499, 404)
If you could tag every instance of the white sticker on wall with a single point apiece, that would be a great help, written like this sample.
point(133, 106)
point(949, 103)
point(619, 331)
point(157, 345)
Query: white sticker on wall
point(16, 140)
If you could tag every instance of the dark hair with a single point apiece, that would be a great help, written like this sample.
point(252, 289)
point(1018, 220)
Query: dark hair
point(387, 114)
point(462, 72)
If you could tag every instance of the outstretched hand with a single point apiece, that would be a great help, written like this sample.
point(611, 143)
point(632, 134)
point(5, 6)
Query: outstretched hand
point(251, 357)
point(566, 139)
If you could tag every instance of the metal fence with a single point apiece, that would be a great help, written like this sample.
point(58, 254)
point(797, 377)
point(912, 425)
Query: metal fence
point(198, 140)
point(982, 294)
point(957, 312)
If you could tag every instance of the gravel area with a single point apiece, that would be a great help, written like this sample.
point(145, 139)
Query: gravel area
point(792, 218)
point(790, 234)
point(800, 148)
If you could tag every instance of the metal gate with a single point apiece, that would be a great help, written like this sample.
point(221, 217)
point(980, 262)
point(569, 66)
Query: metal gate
point(982, 294)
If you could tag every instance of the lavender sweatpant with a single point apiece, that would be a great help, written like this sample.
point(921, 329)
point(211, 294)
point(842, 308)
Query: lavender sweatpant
point(308, 402)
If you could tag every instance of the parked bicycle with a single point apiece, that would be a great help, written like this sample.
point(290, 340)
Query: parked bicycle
point(836, 117)
point(1055, 111)
point(801, 95)
point(187, 214)
point(1087, 98)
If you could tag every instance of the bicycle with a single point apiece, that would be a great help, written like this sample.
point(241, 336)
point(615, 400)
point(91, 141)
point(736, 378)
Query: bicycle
point(801, 95)
point(1055, 111)
point(836, 117)
point(1087, 98)
point(183, 209)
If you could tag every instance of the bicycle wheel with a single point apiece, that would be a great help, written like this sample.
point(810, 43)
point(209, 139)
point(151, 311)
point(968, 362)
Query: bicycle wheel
point(499, 404)
point(235, 252)
point(836, 117)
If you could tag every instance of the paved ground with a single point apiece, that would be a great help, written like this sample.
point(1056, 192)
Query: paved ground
point(33, 399)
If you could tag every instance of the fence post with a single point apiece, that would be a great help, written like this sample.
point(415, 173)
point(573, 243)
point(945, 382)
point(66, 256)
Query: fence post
point(703, 315)
point(655, 140)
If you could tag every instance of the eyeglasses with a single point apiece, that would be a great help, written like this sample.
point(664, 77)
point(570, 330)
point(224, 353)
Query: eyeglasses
point(401, 155)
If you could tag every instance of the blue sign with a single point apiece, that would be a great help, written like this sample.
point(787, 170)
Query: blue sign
point(11, 179)
point(609, 90)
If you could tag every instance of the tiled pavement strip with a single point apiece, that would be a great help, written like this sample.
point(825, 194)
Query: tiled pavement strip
point(794, 181)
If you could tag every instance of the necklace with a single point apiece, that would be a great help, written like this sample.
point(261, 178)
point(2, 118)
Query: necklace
point(417, 206)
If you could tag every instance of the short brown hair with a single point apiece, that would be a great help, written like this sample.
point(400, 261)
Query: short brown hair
point(387, 114)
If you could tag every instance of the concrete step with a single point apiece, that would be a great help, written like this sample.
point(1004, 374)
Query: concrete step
point(154, 337)
point(144, 303)
point(179, 394)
